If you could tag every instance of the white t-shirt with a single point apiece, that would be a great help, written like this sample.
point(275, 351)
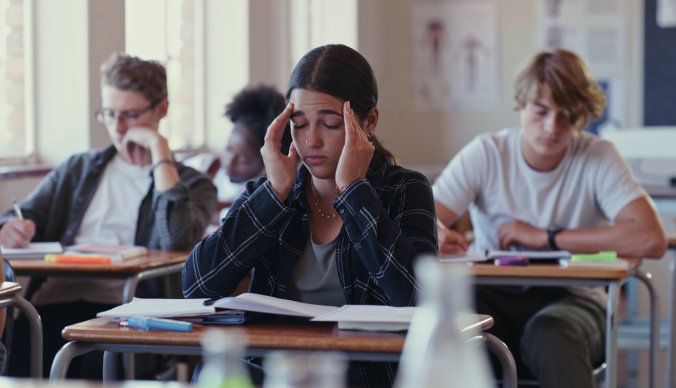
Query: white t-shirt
point(110, 219)
point(228, 191)
point(490, 176)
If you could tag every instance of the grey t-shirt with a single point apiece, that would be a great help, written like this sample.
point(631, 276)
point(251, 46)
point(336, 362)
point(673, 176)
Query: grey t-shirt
point(315, 278)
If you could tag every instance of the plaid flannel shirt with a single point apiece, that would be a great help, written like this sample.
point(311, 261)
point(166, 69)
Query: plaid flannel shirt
point(388, 220)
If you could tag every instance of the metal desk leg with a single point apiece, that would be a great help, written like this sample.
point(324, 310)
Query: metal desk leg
point(35, 324)
point(65, 355)
point(611, 334)
point(507, 363)
point(129, 366)
point(109, 366)
point(670, 378)
point(127, 358)
point(129, 288)
point(654, 325)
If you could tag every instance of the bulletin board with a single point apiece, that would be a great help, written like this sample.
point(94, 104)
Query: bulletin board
point(659, 82)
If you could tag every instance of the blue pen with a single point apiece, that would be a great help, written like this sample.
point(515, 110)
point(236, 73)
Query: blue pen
point(148, 323)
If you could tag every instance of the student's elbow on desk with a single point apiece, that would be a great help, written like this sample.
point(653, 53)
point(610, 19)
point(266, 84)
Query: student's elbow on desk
point(655, 244)
point(647, 243)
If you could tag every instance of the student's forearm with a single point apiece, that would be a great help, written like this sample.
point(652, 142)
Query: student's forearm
point(626, 239)
point(165, 173)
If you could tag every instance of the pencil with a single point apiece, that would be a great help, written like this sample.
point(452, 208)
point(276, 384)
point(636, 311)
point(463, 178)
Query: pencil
point(17, 210)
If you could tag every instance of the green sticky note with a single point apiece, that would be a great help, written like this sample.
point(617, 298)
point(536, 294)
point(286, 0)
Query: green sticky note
point(604, 256)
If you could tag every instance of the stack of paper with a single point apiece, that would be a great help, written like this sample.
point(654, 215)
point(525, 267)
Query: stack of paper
point(160, 308)
point(370, 317)
point(36, 250)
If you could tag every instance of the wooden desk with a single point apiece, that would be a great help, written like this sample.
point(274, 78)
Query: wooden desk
point(106, 335)
point(556, 276)
point(156, 264)
point(9, 295)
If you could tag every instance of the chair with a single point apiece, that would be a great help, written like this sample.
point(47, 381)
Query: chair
point(11, 298)
point(9, 323)
point(599, 377)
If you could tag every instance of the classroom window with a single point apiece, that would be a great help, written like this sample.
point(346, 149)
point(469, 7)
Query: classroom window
point(318, 22)
point(171, 32)
point(16, 127)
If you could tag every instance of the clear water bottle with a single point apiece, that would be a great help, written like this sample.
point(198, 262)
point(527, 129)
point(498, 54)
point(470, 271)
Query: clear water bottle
point(305, 370)
point(223, 363)
point(436, 352)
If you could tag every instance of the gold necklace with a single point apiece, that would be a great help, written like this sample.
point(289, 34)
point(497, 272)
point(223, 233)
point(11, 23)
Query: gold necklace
point(319, 209)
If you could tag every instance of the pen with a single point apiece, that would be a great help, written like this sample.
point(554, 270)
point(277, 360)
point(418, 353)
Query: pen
point(148, 323)
point(56, 258)
point(17, 209)
point(210, 301)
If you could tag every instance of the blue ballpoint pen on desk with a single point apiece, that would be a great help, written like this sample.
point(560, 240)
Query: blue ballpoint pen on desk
point(17, 210)
point(149, 323)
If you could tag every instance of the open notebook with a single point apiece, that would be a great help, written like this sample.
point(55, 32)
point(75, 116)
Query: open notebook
point(357, 317)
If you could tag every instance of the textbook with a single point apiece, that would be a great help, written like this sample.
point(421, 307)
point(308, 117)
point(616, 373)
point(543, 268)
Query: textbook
point(482, 256)
point(35, 250)
point(115, 252)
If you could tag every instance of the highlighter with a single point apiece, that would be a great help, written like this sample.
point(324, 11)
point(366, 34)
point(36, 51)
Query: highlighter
point(55, 258)
point(149, 323)
point(603, 256)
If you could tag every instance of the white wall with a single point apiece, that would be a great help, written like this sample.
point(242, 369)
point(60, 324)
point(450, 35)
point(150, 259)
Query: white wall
point(77, 44)
point(434, 137)
point(68, 52)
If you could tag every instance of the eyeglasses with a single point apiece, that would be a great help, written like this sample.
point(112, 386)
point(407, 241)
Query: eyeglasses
point(109, 116)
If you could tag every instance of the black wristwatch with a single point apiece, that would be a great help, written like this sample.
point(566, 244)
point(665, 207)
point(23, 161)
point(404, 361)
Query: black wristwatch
point(552, 231)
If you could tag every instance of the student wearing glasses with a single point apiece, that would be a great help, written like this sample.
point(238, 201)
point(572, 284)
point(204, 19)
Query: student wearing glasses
point(129, 193)
point(548, 185)
point(344, 227)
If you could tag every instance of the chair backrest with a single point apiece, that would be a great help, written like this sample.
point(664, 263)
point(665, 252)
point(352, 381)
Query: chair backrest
point(599, 377)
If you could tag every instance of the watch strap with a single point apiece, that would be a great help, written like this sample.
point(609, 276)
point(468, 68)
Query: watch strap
point(551, 237)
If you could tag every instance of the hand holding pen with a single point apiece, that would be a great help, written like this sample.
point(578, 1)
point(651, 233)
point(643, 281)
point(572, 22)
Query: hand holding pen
point(450, 241)
point(17, 232)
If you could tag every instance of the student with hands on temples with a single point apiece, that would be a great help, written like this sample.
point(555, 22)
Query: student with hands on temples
point(345, 227)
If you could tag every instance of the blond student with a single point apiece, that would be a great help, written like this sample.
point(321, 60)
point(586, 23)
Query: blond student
point(544, 185)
